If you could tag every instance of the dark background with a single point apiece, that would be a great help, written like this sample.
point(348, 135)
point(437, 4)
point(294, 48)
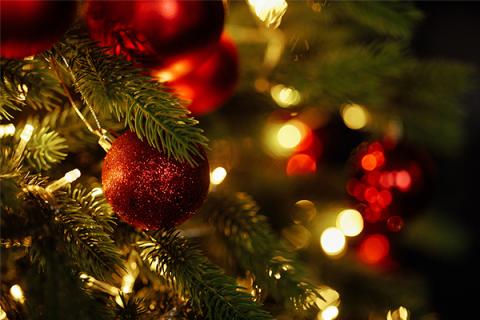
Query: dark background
point(452, 30)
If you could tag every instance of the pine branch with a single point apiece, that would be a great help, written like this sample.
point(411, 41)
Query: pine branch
point(212, 293)
point(26, 83)
point(252, 242)
point(396, 19)
point(87, 242)
point(45, 149)
point(113, 85)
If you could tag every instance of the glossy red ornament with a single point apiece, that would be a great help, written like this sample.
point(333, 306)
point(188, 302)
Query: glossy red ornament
point(172, 34)
point(208, 86)
point(29, 27)
point(149, 190)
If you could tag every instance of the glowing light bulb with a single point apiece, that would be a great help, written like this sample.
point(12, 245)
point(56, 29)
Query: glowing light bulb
point(7, 130)
point(330, 313)
point(289, 136)
point(69, 177)
point(400, 314)
point(284, 96)
point(96, 192)
point(218, 175)
point(355, 116)
point(332, 241)
point(27, 132)
point(350, 222)
point(3, 314)
point(270, 12)
point(17, 293)
point(128, 281)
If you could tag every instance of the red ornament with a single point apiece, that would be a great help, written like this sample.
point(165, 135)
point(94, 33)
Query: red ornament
point(29, 27)
point(149, 190)
point(213, 82)
point(160, 33)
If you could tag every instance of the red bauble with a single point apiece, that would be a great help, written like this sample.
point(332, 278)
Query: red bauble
point(389, 181)
point(29, 27)
point(149, 190)
point(157, 32)
point(208, 86)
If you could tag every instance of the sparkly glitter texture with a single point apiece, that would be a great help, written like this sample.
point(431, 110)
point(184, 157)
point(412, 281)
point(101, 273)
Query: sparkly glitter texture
point(149, 190)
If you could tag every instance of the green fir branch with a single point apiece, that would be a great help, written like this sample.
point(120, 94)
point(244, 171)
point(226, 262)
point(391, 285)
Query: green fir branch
point(113, 85)
point(212, 293)
point(27, 83)
point(252, 242)
point(392, 18)
point(88, 244)
point(45, 149)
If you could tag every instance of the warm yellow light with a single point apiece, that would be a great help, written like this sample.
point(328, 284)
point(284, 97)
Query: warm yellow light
point(73, 175)
point(3, 315)
point(355, 116)
point(17, 293)
point(329, 313)
point(400, 314)
point(27, 132)
point(127, 283)
point(350, 222)
point(289, 136)
point(218, 175)
point(332, 241)
point(96, 192)
point(7, 130)
point(269, 12)
point(285, 96)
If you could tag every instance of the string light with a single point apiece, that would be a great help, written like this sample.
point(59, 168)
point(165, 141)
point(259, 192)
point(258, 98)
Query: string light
point(330, 313)
point(399, 314)
point(350, 222)
point(355, 116)
point(7, 130)
point(284, 96)
point(96, 192)
point(3, 315)
point(68, 178)
point(25, 136)
point(218, 175)
point(332, 241)
point(17, 293)
point(270, 12)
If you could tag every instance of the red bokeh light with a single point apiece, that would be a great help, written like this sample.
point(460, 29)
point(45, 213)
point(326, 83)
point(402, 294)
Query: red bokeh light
point(371, 194)
point(374, 249)
point(301, 164)
point(384, 198)
point(403, 180)
point(369, 162)
point(395, 223)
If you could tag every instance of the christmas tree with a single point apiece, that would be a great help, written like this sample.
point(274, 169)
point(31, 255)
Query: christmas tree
point(209, 160)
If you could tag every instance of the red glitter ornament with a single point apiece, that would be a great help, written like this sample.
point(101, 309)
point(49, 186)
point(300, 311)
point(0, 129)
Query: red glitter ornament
point(173, 35)
point(29, 27)
point(149, 190)
point(213, 82)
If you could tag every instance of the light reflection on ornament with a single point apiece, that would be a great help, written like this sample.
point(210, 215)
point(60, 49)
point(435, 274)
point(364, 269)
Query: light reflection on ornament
point(332, 241)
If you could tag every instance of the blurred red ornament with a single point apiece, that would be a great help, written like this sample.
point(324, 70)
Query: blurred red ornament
point(173, 35)
point(208, 86)
point(389, 180)
point(374, 249)
point(29, 27)
point(149, 190)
